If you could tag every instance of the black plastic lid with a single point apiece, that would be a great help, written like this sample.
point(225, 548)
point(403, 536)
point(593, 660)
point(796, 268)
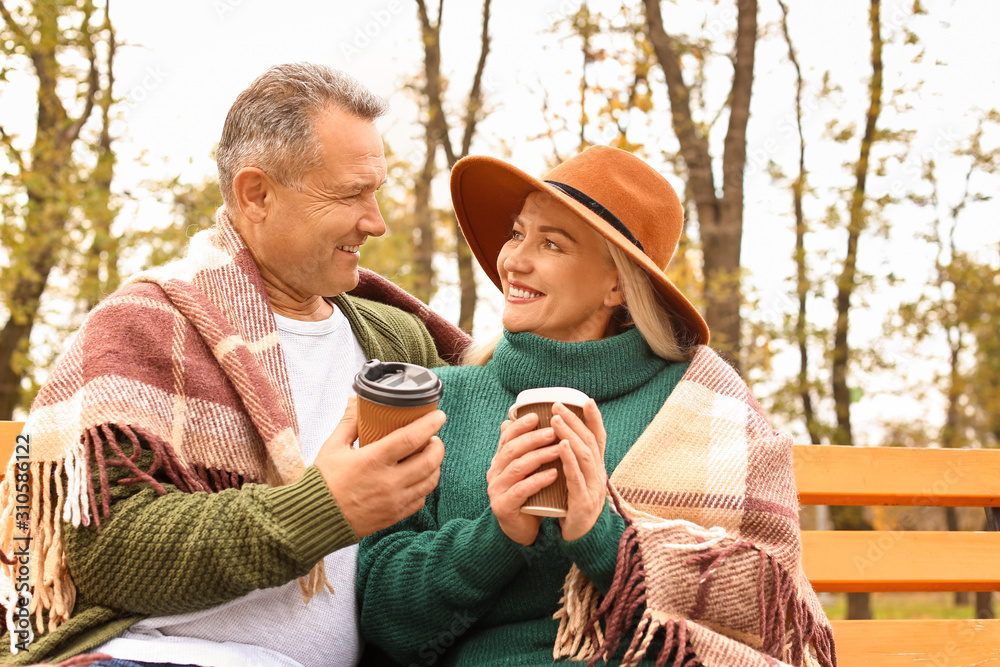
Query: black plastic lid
point(397, 384)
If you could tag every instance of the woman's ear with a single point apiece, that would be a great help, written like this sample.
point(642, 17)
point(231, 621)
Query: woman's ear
point(254, 193)
point(615, 296)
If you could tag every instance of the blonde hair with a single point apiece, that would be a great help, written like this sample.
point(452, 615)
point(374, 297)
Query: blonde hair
point(643, 307)
point(646, 308)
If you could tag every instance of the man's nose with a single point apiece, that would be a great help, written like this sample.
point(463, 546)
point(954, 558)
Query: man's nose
point(372, 222)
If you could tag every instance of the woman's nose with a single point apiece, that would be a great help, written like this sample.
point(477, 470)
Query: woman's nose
point(517, 259)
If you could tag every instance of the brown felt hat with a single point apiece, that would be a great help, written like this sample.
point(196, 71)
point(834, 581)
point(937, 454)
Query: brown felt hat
point(623, 198)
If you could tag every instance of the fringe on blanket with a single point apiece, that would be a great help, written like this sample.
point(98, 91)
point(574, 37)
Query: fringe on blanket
point(64, 491)
point(627, 597)
point(579, 603)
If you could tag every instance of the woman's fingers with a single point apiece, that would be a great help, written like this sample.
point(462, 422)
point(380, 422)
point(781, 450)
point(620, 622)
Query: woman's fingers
point(511, 429)
point(585, 495)
point(518, 493)
point(569, 427)
point(582, 452)
point(591, 432)
point(523, 466)
point(516, 447)
point(511, 486)
point(585, 474)
point(576, 481)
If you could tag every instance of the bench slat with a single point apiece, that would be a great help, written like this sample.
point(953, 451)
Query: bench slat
point(8, 437)
point(941, 643)
point(831, 475)
point(858, 561)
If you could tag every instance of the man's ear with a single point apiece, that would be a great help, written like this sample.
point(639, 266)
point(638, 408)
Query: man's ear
point(254, 193)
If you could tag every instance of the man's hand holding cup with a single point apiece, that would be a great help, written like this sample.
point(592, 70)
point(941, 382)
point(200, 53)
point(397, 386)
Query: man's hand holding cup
point(388, 478)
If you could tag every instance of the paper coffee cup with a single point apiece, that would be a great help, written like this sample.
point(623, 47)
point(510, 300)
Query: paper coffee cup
point(550, 501)
point(391, 395)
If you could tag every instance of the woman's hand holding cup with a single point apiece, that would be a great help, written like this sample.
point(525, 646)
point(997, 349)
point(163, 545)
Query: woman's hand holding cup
point(581, 448)
point(511, 480)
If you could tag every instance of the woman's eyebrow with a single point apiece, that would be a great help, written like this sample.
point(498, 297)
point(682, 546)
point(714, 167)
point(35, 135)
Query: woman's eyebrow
point(558, 230)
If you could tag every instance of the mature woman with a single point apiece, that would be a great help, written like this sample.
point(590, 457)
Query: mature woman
point(691, 553)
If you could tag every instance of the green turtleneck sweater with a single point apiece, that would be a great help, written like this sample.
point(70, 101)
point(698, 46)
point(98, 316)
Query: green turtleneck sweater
point(447, 585)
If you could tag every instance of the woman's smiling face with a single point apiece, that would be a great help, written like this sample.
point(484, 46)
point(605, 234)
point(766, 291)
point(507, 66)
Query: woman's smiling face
point(558, 279)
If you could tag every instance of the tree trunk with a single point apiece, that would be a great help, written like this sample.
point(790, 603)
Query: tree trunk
point(951, 521)
point(466, 278)
point(50, 178)
point(950, 432)
point(853, 517)
point(101, 277)
point(984, 605)
point(720, 219)
point(438, 122)
point(859, 605)
point(858, 221)
point(801, 270)
point(984, 599)
point(32, 261)
point(423, 228)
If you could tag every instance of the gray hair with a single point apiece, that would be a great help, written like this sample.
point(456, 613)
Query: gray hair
point(271, 124)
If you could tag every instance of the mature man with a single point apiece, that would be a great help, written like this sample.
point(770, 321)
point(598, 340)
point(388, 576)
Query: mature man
point(174, 519)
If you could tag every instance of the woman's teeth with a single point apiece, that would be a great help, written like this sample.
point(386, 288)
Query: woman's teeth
point(523, 293)
point(349, 248)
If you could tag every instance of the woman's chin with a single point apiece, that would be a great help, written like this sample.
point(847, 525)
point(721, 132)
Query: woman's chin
point(516, 327)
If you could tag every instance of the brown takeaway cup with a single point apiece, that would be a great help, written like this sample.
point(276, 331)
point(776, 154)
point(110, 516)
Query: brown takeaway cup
point(550, 501)
point(391, 395)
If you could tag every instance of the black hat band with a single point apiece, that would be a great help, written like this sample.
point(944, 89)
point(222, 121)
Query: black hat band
point(597, 208)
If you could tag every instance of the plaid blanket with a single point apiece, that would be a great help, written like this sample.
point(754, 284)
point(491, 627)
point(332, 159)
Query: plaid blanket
point(710, 559)
point(184, 361)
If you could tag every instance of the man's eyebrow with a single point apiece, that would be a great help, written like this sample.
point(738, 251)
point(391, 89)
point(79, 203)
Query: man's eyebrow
point(365, 184)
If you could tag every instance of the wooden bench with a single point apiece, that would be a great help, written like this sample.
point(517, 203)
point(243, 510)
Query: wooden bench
point(874, 561)
point(905, 560)
point(8, 437)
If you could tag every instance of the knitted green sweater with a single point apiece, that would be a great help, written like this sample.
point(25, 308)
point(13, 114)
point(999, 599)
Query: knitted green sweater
point(446, 585)
point(184, 552)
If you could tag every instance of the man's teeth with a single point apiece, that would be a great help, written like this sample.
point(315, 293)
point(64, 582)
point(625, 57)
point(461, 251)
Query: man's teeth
point(523, 293)
point(349, 248)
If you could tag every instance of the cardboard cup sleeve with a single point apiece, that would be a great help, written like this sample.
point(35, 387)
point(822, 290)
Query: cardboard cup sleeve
point(375, 421)
point(550, 501)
